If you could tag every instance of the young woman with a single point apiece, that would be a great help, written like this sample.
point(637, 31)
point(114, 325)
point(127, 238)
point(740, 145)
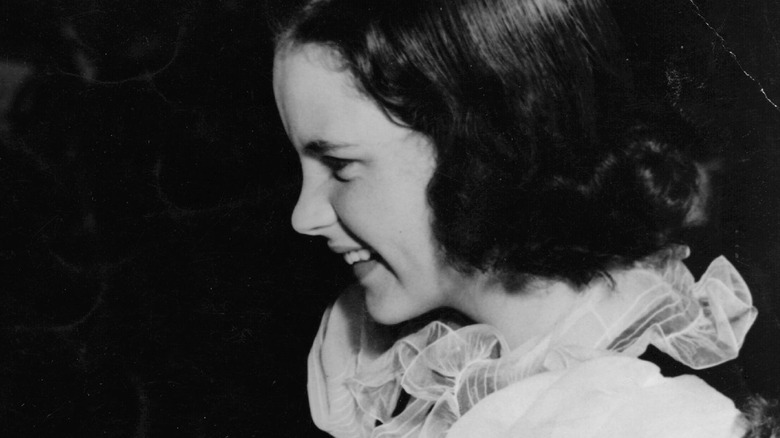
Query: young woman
point(488, 158)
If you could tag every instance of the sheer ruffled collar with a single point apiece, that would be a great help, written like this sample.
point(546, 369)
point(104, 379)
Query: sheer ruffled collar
point(446, 368)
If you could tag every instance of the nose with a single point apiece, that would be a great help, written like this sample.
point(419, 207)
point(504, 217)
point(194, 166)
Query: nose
point(313, 213)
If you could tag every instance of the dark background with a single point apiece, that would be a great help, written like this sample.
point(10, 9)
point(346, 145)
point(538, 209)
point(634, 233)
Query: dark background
point(150, 284)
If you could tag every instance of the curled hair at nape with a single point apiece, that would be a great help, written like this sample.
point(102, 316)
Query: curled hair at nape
point(569, 224)
point(544, 168)
point(671, 181)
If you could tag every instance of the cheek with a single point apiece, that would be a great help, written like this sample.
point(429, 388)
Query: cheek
point(357, 207)
point(384, 215)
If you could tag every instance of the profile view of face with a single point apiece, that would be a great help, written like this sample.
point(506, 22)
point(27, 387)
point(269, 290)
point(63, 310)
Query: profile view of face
point(364, 185)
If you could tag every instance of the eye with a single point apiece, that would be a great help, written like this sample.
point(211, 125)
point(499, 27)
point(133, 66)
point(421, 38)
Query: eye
point(337, 166)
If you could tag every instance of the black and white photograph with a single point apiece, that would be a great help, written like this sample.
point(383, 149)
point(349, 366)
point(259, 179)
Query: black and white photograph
point(398, 218)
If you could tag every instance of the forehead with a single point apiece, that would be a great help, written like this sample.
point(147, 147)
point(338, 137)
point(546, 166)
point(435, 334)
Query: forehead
point(298, 65)
point(314, 93)
point(319, 103)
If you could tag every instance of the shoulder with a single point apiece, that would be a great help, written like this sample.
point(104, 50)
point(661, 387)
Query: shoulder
point(605, 397)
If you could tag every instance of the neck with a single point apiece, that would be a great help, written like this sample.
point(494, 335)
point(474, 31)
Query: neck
point(519, 315)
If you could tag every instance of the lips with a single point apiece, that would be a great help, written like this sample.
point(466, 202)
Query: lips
point(355, 256)
point(362, 260)
point(363, 268)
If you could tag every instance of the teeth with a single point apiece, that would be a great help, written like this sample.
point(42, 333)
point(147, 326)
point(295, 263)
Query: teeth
point(360, 255)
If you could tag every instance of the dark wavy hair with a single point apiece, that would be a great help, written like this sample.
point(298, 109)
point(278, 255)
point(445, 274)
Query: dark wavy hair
point(545, 166)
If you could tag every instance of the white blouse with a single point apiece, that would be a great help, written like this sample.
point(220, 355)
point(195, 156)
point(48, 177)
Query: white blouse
point(581, 379)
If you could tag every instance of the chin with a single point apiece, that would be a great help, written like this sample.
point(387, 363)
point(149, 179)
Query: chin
point(387, 312)
point(383, 315)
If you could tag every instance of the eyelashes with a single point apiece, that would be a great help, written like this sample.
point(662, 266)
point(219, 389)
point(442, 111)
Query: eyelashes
point(337, 166)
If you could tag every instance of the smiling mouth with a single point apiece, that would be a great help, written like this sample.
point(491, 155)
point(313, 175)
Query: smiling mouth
point(360, 255)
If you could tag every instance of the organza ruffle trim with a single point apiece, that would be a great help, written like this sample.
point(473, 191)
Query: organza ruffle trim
point(446, 369)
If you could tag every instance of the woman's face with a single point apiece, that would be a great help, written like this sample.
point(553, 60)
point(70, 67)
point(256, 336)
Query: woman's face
point(364, 186)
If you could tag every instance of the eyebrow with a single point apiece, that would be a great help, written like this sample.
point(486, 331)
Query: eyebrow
point(322, 147)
